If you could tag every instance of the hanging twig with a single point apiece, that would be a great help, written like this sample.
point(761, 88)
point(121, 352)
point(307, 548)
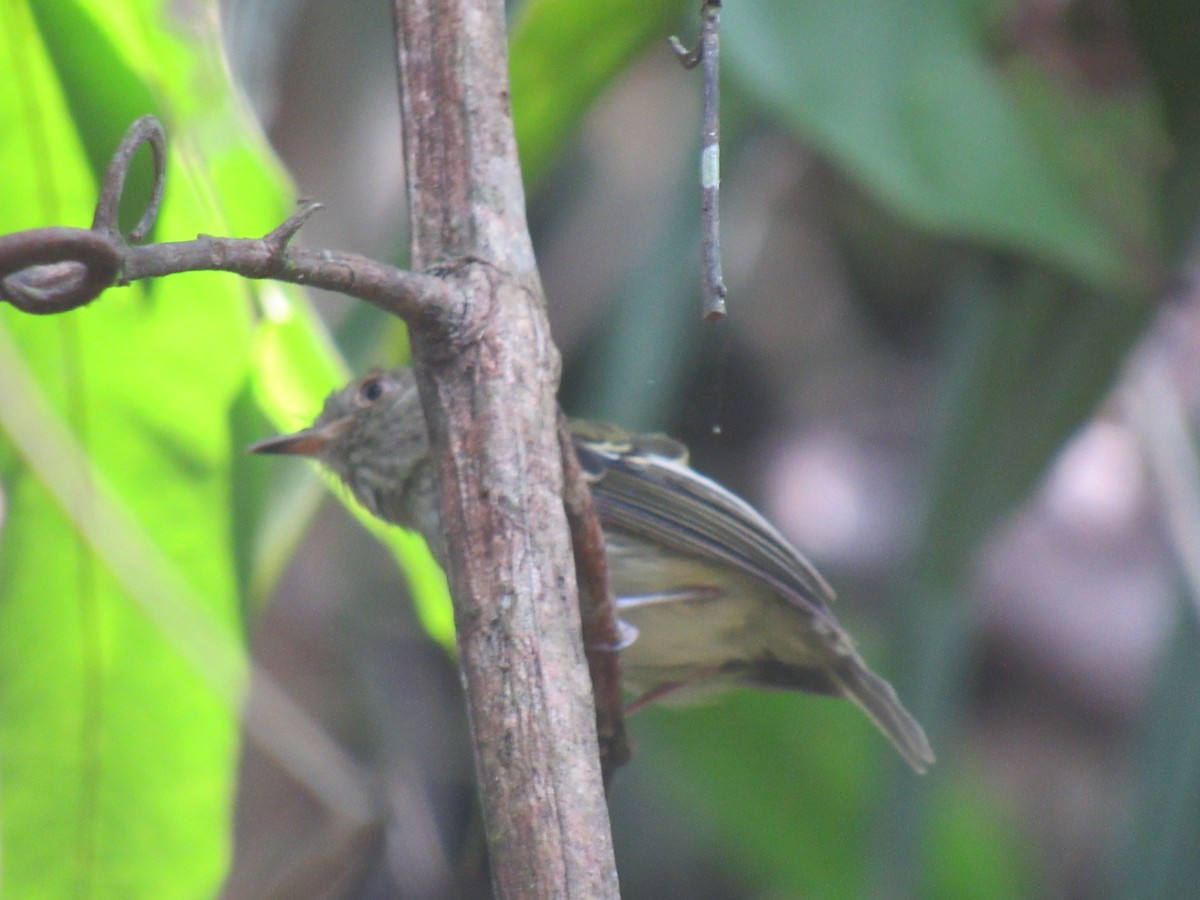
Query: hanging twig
point(707, 53)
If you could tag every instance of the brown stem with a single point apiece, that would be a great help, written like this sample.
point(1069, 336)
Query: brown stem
point(489, 398)
point(53, 270)
point(602, 637)
point(406, 294)
point(707, 52)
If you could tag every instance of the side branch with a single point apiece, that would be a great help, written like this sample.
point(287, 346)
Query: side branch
point(53, 270)
point(410, 295)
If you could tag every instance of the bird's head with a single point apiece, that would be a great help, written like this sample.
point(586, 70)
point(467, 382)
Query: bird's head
point(371, 434)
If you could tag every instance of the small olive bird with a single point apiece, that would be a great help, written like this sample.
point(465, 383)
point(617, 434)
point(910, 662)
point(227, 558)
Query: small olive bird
point(710, 593)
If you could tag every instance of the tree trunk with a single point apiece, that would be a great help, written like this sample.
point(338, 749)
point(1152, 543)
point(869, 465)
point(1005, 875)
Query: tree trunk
point(488, 373)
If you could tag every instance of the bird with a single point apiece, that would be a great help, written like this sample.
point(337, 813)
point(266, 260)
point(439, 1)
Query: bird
point(709, 593)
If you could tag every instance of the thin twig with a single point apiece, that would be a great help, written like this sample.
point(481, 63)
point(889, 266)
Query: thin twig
point(707, 52)
point(406, 294)
point(280, 236)
point(53, 270)
point(687, 58)
point(601, 633)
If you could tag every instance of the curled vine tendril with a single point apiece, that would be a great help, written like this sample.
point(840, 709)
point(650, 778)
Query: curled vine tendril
point(146, 130)
point(52, 270)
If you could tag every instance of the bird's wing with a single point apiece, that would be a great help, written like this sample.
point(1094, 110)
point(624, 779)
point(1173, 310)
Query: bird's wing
point(643, 485)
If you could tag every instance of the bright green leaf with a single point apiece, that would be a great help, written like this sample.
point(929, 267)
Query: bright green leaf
point(120, 641)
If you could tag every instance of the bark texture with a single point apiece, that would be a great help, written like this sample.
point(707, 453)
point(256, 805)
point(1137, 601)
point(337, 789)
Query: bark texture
point(488, 373)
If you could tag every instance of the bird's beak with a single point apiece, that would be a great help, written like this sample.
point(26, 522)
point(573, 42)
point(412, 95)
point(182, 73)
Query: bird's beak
point(309, 442)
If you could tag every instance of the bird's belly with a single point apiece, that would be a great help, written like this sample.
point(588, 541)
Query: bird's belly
point(691, 621)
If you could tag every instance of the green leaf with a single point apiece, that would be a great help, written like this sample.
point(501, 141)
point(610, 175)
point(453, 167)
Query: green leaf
point(979, 850)
point(120, 653)
point(783, 779)
point(562, 54)
point(791, 791)
point(1168, 32)
point(101, 107)
point(911, 103)
point(1028, 363)
point(128, 502)
point(120, 628)
point(903, 97)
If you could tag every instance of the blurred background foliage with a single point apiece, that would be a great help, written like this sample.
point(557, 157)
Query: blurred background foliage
point(958, 371)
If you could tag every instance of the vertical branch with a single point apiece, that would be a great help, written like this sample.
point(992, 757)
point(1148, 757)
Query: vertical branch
point(488, 375)
point(710, 163)
point(601, 632)
point(707, 53)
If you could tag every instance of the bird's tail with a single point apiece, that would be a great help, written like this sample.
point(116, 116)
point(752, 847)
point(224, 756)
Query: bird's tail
point(879, 701)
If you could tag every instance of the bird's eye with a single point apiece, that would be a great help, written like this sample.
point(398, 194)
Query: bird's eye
point(370, 390)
